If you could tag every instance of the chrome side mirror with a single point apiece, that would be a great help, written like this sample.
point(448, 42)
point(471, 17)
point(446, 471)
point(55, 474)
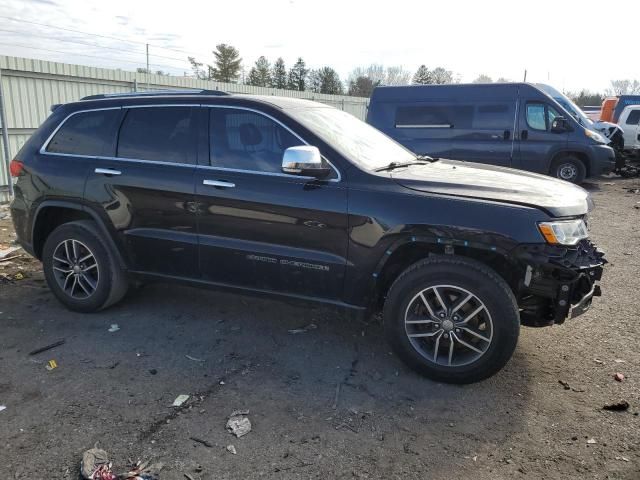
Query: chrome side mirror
point(304, 160)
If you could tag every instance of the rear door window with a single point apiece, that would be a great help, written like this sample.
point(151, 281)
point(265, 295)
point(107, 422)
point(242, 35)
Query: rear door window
point(87, 133)
point(164, 134)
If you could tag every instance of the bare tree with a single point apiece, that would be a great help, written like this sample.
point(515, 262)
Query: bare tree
point(381, 75)
point(482, 78)
point(624, 87)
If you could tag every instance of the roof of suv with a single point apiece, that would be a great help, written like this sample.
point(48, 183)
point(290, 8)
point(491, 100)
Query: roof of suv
point(284, 103)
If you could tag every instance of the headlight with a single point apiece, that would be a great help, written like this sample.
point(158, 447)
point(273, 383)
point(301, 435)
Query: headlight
point(564, 232)
point(595, 136)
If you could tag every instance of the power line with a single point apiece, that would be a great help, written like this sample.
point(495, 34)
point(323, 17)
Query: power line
point(86, 55)
point(92, 45)
point(93, 34)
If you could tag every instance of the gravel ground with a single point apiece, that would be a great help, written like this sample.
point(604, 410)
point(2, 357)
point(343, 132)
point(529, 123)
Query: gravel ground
point(331, 402)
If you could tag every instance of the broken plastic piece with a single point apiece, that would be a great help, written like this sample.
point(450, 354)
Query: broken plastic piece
point(238, 423)
point(180, 399)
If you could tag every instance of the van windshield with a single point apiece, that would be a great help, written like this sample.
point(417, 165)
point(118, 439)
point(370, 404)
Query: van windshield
point(568, 104)
point(358, 141)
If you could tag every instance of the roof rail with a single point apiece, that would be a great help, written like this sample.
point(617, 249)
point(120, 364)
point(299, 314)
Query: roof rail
point(152, 93)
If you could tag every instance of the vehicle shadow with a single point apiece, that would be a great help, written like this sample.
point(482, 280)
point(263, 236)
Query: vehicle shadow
point(301, 371)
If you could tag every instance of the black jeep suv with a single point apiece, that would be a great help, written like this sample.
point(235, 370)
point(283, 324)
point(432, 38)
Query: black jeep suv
point(292, 198)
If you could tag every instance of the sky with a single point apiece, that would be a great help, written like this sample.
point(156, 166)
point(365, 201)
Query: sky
point(570, 44)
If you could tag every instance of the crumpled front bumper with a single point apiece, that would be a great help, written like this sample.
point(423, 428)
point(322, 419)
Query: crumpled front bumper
point(559, 282)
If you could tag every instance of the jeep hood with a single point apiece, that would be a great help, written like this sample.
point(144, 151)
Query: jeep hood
point(487, 182)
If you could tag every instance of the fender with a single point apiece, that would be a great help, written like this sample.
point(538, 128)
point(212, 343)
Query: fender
point(107, 235)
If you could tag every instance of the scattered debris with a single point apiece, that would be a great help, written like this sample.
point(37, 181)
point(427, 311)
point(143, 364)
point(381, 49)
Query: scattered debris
point(624, 459)
point(203, 442)
point(564, 384)
point(4, 254)
point(180, 399)
point(51, 365)
point(619, 377)
point(619, 360)
point(19, 276)
point(239, 423)
point(188, 477)
point(114, 328)
point(620, 406)
point(153, 371)
point(232, 449)
point(598, 361)
point(311, 326)
point(194, 359)
point(2, 407)
point(592, 441)
point(95, 465)
point(48, 347)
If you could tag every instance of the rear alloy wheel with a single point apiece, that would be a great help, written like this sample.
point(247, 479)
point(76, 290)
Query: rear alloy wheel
point(570, 169)
point(452, 319)
point(80, 268)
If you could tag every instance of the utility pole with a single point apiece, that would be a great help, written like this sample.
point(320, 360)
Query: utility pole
point(525, 75)
point(5, 140)
point(148, 72)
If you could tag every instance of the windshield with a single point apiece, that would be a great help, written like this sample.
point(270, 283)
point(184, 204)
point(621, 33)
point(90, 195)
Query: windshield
point(358, 141)
point(568, 104)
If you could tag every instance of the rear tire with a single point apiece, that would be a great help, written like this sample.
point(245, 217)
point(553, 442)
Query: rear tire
point(421, 330)
point(80, 268)
point(569, 168)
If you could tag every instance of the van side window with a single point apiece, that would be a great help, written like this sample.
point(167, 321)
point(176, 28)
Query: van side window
point(245, 140)
point(165, 134)
point(633, 118)
point(434, 116)
point(540, 116)
point(87, 133)
point(493, 117)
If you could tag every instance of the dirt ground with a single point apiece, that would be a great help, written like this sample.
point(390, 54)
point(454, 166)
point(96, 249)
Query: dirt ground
point(331, 402)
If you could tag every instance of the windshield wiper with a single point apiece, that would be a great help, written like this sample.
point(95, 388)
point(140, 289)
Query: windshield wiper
point(420, 160)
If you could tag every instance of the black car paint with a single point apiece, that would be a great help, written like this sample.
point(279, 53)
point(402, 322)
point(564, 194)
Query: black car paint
point(314, 239)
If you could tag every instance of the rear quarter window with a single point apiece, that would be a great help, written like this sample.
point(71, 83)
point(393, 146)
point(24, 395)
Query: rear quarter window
point(633, 118)
point(87, 133)
point(434, 116)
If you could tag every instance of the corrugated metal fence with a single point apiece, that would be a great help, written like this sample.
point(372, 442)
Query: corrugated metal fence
point(30, 87)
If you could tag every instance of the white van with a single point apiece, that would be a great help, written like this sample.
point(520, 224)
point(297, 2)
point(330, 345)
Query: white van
point(630, 122)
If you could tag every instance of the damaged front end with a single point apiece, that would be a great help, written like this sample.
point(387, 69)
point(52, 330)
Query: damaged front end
point(558, 281)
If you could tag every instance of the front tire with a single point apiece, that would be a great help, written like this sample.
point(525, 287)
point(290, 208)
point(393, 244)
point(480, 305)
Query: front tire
point(80, 268)
point(569, 168)
point(452, 319)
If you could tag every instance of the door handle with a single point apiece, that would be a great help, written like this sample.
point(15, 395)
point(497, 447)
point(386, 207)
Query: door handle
point(218, 183)
point(108, 171)
point(524, 135)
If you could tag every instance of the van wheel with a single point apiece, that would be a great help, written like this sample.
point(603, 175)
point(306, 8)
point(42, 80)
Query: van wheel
point(452, 319)
point(569, 168)
point(80, 268)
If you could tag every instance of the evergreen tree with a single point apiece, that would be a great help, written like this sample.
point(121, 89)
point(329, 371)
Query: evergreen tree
point(422, 76)
point(260, 74)
point(227, 64)
point(325, 80)
point(279, 74)
point(298, 75)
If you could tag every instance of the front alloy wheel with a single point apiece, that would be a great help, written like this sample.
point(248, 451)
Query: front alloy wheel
point(452, 319)
point(448, 325)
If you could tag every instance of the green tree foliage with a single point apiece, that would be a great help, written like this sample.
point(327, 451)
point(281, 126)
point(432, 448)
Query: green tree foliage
point(586, 98)
point(437, 76)
point(361, 86)
point(227, 64)
point(298, 76)
point(325, 80)
point(260, 74)
point(279, 74)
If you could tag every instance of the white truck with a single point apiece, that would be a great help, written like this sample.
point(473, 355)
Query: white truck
point(629, 120)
